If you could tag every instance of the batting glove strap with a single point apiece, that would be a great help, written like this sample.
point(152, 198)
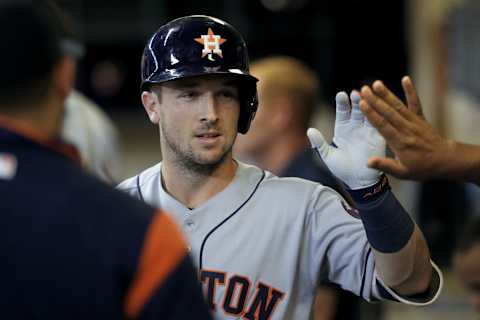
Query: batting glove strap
point(371, 193)
point(387, 225)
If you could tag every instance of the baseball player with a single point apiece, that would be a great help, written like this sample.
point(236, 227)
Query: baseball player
point(72, 247)
point(262, 243)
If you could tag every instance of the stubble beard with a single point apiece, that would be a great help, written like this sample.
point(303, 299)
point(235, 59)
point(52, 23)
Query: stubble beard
point(189, 162)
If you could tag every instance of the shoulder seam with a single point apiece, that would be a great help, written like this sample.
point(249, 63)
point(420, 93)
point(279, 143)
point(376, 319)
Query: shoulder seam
point(137, 178)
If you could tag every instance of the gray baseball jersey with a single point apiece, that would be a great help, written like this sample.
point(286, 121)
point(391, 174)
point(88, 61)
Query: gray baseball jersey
point(263, 243)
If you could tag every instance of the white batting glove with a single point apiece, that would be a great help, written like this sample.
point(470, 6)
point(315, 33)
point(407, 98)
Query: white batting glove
point(355, 142)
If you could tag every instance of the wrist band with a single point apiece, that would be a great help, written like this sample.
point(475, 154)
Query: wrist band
point(371, 193)
point(387, 225)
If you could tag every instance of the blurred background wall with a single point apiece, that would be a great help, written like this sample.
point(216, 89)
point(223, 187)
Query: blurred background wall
point(347, 42)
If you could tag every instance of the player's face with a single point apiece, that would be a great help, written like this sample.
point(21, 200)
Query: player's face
point(467, 268)
point(198, 120)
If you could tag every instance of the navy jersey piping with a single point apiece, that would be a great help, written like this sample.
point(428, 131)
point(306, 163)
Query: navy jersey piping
point(139, 189)
point(365, 271)
point(200, 263)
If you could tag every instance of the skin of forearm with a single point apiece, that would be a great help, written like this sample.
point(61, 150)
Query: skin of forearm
point(326, 302)
point(407, 271)
point(463, 163)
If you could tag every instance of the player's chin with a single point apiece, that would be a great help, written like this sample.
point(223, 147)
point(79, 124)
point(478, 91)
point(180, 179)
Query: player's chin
point(210, 158)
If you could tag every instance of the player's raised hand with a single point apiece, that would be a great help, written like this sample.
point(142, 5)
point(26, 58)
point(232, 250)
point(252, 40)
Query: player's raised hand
point(420, 151)
point(355, 141)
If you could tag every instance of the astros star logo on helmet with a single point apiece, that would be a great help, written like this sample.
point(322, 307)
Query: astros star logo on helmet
point(211, 44)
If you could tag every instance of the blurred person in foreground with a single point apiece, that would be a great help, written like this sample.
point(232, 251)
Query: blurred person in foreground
point(288, 92)
point(72, 247)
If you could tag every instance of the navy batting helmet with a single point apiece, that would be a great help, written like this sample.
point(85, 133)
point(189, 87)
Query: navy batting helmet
point(200, 45)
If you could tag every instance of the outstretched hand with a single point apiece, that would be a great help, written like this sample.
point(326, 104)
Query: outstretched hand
point(355, 141)
point(418, 147)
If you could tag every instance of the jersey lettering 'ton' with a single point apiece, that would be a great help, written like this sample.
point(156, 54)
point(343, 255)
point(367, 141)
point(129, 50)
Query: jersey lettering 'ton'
point(242, 285)
point(264, 301)
point(212, 278)
point(264, 304)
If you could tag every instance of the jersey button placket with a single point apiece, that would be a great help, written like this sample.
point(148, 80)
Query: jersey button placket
point(189, 227)
point(190, 224)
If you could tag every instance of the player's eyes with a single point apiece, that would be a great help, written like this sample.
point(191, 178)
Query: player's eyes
point(228, 93)
point(188, 94)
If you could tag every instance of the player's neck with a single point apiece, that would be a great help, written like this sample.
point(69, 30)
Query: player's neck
point(278, 156)
point(43, 119)
point(193, 188)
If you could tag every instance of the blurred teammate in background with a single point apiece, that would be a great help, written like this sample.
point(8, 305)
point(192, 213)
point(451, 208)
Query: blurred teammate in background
point(95, 136)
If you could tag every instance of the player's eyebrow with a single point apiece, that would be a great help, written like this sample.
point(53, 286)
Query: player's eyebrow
point(192, 83)
point(230, 83)
point(183, 84)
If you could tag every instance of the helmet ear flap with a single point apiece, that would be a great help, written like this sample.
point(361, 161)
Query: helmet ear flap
point(149, 68)
point(248, 105)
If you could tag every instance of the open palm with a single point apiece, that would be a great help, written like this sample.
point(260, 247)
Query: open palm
point(355, 141)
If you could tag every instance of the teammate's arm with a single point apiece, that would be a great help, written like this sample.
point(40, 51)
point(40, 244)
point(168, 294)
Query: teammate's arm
point(401, 254)
point(421, 153)
point(165, 285)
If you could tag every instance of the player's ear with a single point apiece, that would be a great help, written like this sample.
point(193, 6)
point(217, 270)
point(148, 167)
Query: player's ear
point(150, 101)
point(64, 76)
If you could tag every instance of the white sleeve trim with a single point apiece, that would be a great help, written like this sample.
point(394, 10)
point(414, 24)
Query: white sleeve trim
point(431, 300)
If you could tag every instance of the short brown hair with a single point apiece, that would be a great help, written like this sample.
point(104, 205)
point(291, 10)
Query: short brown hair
point(291, 78)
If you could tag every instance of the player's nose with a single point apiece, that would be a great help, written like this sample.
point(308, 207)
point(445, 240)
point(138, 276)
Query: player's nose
point(209, 108)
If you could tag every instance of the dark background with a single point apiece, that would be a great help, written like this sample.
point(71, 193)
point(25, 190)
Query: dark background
point(348, 43)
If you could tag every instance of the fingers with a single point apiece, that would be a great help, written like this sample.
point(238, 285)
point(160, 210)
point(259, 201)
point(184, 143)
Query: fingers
point(381, 90)
point(318, 142)
point(391, 99)
point(384, 110)
point(342, 107)
point(357, 115)
point(413, 101)
point(369, 114)
point(389, 166)
point(344, 112)
point(378, 122)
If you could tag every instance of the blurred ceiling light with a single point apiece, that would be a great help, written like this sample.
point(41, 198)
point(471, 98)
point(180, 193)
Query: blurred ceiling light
point(283, 5)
